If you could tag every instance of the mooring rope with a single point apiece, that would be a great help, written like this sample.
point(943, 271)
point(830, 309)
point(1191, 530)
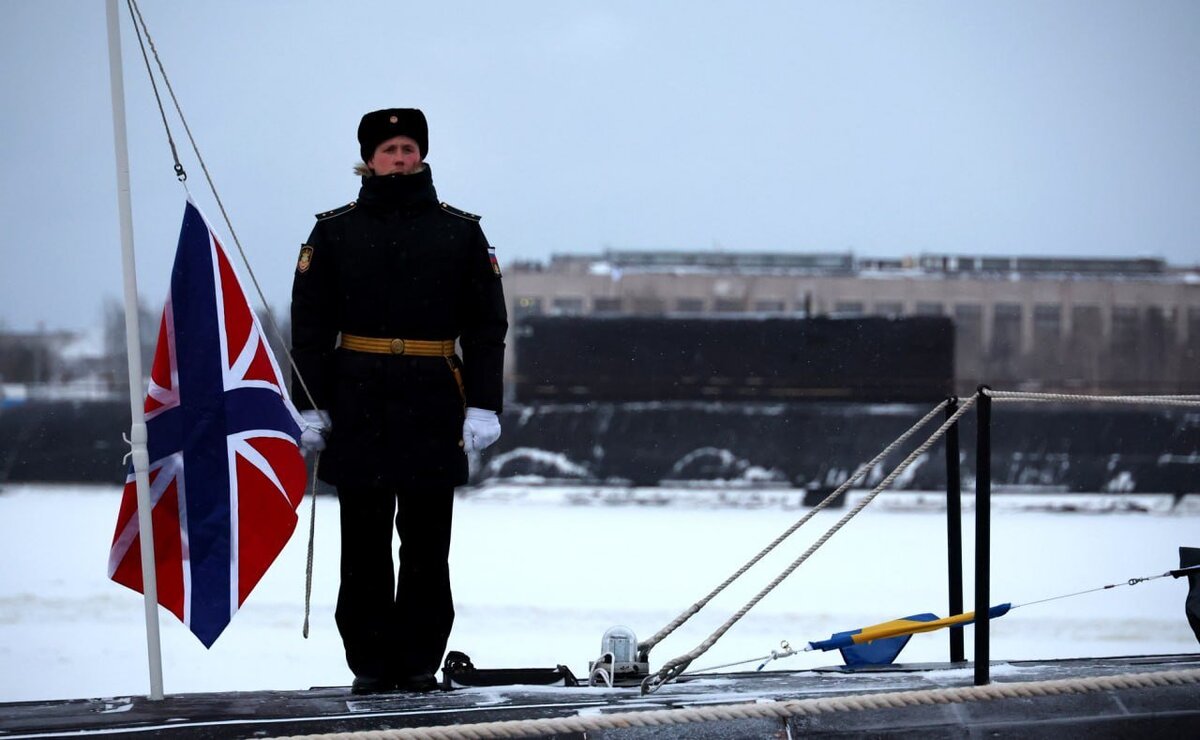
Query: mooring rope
point(674, 667)
point(1167, 400)
point(780, 710)
point(863, 469)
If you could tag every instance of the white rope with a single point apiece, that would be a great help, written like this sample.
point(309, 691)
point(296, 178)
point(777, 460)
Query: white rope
point(674, 667)
point(1177, 400)
point(688, 613)
point(774, 710)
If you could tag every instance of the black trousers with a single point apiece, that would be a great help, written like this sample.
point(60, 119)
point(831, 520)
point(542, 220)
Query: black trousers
point(392, 627)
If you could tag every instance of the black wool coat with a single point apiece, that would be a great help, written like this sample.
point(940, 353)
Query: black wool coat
point(397, 264)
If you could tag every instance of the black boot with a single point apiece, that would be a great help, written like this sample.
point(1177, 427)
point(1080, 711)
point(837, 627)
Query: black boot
point(368, 685)
point(418, 683)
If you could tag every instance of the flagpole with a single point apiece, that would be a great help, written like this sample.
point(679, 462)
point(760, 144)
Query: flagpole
point(137, 433)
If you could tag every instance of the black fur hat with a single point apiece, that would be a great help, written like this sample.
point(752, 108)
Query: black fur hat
point(378, 126)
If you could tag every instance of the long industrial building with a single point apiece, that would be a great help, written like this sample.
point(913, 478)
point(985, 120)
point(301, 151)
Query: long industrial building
point(1038, 323)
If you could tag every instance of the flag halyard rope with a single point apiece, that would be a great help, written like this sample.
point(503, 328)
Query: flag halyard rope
point(139, 24)
point(138, 20)
point(179, 171)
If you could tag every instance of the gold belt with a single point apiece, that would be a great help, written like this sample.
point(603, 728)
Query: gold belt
point(383, 346)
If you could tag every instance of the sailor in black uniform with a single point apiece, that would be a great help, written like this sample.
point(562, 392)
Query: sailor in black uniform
point(383, 288)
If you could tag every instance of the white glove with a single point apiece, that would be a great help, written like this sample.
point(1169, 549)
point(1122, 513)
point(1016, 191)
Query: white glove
point(481, 428)
point(314, 430)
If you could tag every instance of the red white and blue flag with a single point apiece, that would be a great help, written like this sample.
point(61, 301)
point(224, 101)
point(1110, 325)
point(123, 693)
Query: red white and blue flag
point(226, 471)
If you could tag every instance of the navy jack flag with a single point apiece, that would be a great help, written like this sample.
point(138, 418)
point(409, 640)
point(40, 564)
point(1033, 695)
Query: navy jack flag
point(226, 471)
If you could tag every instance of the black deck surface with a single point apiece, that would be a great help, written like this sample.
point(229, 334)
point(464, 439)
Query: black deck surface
point(1165, 711)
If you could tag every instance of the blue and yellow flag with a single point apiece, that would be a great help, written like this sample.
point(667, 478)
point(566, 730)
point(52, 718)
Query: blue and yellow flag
point(880, 643)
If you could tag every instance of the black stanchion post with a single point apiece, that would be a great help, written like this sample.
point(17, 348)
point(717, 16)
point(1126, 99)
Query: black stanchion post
point(983, 534)
point(954, 532)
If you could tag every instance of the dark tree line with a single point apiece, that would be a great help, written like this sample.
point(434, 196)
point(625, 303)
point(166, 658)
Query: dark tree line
point(37, 358)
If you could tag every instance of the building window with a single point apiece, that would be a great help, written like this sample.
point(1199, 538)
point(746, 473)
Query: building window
point(929, 309)
point(889, 308)
point(1084, 350)
point(1085, 322)
point(1124, 329)
point(527, 306)
point(768, 306)
point(1006, 329)
point(968, 326)
point(1156, 337)
point(689, 305)
point(648, 306)
point(729, 305)
point(1047, 323)
point(1126, 346)
point(567, 305)
point(606, 305)
point(848, 308)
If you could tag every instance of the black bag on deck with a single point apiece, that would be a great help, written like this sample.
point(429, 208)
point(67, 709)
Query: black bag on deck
point(458, 672)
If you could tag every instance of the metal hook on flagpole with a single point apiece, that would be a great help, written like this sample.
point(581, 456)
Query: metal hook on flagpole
point(129, 444)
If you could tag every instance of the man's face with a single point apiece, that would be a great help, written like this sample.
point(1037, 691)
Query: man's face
point(399, 155)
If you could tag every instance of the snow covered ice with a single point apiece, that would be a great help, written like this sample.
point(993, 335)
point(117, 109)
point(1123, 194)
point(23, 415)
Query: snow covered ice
point(538, 579)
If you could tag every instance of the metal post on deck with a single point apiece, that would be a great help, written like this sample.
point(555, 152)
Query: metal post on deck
point(954, 531)
point(983, 534)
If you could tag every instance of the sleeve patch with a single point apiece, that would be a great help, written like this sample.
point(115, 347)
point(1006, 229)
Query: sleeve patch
point(494, 261)
point(305, 261)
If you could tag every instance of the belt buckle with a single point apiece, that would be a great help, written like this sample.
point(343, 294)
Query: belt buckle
point(397, 346)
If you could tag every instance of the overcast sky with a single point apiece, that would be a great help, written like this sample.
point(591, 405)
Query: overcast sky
point(883, 128)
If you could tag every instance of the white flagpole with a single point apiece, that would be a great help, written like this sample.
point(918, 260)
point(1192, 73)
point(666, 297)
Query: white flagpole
point(137, 433)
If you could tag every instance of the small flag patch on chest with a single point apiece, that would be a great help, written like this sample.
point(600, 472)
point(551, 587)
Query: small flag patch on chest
point(494, 261)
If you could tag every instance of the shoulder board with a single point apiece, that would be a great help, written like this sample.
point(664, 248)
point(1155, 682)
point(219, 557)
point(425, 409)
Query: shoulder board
point(459, 212)
point(337, 211)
